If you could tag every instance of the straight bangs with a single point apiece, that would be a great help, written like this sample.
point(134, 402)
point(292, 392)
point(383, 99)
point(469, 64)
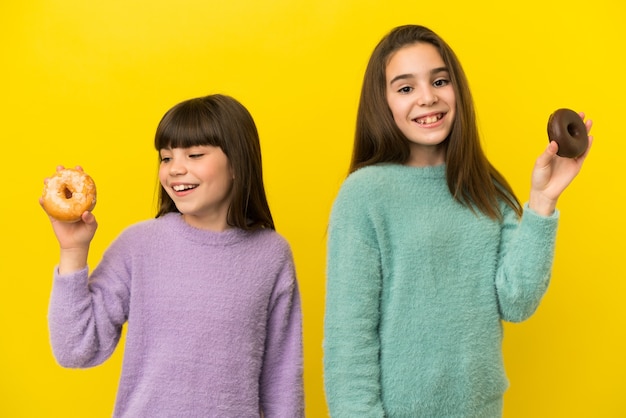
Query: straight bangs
point(189, 124)
point(223, 122)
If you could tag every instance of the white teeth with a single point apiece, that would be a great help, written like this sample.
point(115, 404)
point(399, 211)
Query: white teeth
point(182, 187)
point(428, 119)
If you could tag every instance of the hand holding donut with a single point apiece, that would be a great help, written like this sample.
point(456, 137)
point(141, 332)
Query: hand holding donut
point(567, 128)
point(68, 197)
point(68, 194)
point(553, 173)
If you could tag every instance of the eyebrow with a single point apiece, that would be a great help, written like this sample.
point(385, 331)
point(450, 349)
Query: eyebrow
point(409, 76)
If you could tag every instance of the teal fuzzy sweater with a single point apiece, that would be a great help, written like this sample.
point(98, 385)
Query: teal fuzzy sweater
point(417, 287)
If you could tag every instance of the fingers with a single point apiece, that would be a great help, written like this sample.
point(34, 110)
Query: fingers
point(588, 125)
point(62, 167)
point(588, 122)
point(553, 148)
point(88, 217)
point(547, 155)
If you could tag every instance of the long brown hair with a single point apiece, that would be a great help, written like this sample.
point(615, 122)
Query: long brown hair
point(220, 121)
point(472, 180)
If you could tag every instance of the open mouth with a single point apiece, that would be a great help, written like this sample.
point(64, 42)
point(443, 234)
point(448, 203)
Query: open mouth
point(426, 120)
point(183, 187)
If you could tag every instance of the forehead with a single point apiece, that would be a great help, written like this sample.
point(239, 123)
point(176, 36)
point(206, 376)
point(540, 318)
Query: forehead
point(415, 59)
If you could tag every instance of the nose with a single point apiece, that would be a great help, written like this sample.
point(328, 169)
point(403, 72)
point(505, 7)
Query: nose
point(177, 167)
point(427, 96)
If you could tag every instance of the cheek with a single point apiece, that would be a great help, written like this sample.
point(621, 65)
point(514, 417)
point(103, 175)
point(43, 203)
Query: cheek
point(221, 177)
point(397, 110)
point(227, 183)
point(450, 98)
point(162, 176)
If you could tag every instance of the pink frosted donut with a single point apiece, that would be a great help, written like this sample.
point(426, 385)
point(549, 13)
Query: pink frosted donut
point(568, 130)
point(68, 194)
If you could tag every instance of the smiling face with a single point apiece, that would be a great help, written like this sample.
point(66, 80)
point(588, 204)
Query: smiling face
point(199, 180)
point(422, 101)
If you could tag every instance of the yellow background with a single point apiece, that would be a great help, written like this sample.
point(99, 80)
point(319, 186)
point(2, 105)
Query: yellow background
point(87, 82)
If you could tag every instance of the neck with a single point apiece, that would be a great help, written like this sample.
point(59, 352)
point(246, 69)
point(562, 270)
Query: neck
point(426, 155)
point(215, 224)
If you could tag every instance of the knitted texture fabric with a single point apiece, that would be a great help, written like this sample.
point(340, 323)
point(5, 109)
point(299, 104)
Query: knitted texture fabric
point(213, 321)
point(417, 286)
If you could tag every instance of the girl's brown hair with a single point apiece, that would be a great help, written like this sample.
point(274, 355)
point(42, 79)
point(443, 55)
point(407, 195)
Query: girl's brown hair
point(472, 180)
point(220, 121)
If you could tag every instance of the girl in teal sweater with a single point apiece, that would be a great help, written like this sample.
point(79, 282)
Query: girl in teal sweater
point(429, 249)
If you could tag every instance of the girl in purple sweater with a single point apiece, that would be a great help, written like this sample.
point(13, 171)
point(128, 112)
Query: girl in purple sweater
point(207, 290)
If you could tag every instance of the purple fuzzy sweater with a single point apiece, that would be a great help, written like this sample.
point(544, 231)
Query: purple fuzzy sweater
point(213, 321)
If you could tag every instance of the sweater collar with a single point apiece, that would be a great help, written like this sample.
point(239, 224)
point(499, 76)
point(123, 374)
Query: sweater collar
point(175, 222)
point(431, 171)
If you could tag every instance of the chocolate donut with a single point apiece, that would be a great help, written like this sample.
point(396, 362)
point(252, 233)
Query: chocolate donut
point(569, 131)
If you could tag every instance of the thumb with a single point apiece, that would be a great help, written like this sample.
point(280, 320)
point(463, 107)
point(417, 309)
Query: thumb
point(88, 218)
point(547, 155)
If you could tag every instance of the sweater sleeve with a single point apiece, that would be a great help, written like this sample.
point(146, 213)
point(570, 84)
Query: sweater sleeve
point(281, 385)
point(525, 263)
point(86, 315)
point(353, 289)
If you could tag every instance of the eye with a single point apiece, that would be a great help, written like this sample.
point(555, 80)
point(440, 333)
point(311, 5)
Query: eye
point(405, 89)
point(195, 152)
point(441, 82)
point(165, 159)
